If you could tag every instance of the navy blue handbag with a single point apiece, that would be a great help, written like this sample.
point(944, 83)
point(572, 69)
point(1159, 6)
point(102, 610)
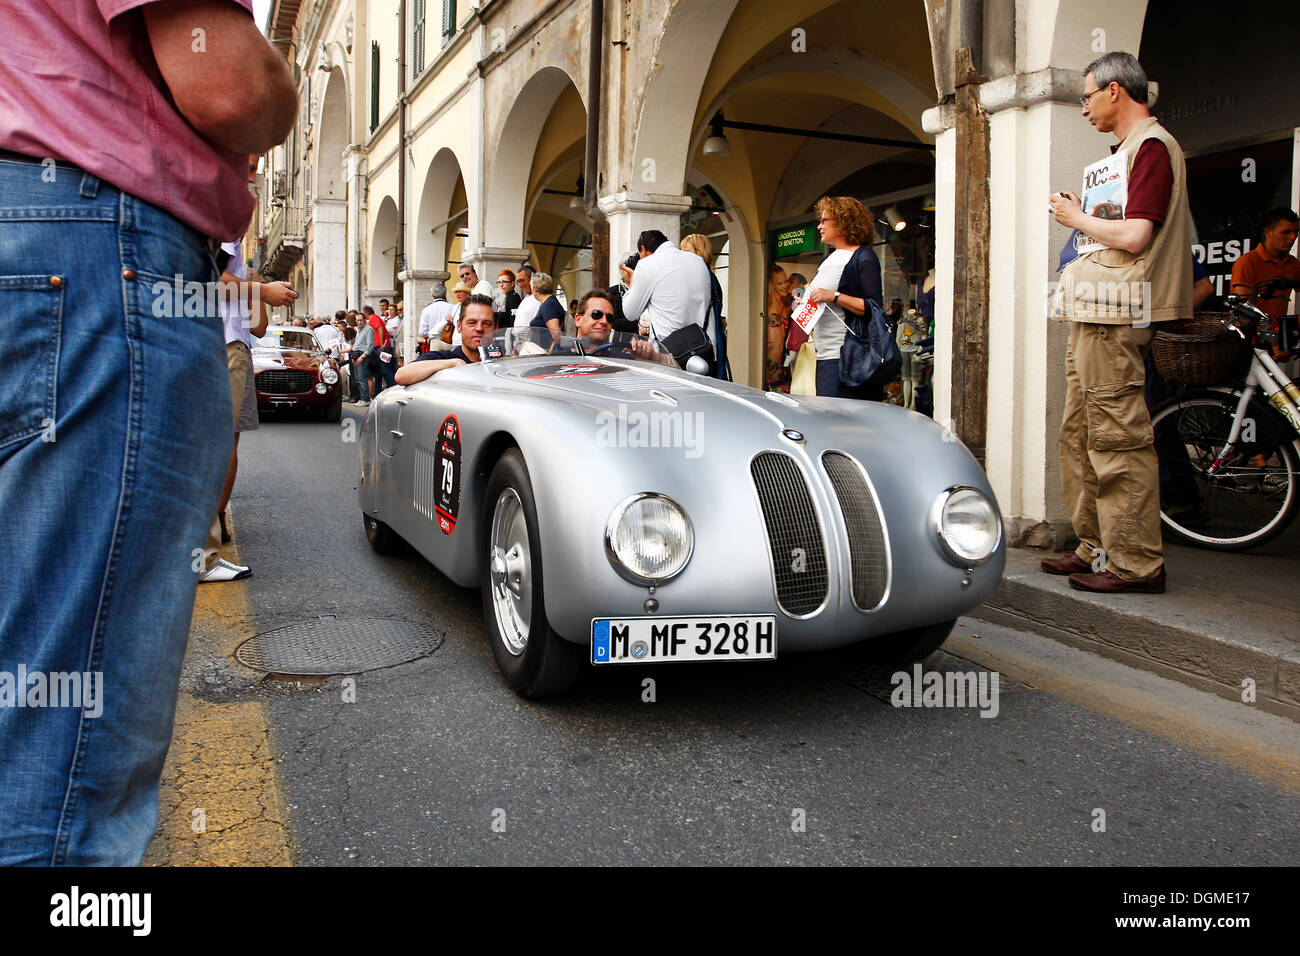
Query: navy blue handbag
point(869, 355)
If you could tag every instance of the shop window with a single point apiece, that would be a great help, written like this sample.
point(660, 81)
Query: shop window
point(1229, 191)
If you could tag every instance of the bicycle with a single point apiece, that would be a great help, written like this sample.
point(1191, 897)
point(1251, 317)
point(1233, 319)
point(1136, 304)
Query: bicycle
point(1232, 452)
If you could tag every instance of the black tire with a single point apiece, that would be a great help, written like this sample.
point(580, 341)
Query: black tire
point(333, 413)
point(910, 646)
point(1245, 505)
point(535, 661)
point(383, 539)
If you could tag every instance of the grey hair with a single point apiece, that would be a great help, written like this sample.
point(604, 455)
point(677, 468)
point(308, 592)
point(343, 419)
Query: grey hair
point(439, 291)
point(543, 283)
point(1122, 68)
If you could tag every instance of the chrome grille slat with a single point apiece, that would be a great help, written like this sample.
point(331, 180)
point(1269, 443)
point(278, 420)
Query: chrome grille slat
point(791, 522)
point(426, 469)
point(283, 381)
point(868, 553)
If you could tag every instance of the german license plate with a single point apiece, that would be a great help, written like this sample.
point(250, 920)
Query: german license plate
point(648, 640)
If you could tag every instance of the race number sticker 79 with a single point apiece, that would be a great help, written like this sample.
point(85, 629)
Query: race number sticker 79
point(448, 473)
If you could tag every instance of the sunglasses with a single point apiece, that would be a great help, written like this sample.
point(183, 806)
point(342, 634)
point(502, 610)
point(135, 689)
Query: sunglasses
point(597, 314)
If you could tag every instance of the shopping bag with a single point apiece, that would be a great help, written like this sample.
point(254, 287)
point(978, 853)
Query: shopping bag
point(804, 381)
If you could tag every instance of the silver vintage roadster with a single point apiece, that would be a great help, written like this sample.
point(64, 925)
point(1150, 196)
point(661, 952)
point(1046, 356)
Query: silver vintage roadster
point(615, 509)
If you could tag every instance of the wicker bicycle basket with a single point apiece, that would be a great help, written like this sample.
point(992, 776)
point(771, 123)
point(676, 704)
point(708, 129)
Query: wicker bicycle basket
point(1201, 350)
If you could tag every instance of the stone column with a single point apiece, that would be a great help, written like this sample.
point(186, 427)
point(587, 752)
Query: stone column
point(416, 295)
point(329, 250)
point(1037, 145)
point(354, 162)
point(631, 213)
point(939, 122)
point(489, 260)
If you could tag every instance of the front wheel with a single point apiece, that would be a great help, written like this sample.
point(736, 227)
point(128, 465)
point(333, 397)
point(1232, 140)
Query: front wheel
point(382, 538)
point(910, 646)
point(333, 412)
point(1253, 494)
point(535, 661)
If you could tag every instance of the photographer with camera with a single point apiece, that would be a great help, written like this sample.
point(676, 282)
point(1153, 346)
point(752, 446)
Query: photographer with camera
point(672, 287)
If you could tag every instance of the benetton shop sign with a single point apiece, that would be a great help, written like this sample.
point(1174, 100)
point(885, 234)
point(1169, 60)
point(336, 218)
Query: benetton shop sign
point(796, 241)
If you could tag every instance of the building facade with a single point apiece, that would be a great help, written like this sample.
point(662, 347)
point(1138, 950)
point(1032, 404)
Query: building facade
point(435, 132)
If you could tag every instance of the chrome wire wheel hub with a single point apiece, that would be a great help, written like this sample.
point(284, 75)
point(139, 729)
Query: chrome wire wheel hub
point(510, 570)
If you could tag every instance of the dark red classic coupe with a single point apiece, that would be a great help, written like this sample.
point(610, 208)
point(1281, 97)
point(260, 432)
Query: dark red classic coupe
point(292, 372)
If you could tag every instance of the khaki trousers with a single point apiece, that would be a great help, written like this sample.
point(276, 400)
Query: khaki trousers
point(1109, 471)
point(239, 363)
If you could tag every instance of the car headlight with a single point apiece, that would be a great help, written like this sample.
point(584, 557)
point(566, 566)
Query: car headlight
point(329, 376)
point(649, 539)
point(966, 524)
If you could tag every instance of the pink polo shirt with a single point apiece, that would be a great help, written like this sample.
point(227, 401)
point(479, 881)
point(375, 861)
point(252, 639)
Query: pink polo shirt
point(78, 83)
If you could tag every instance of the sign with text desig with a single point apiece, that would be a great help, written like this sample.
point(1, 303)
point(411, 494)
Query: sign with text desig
point(796, 241)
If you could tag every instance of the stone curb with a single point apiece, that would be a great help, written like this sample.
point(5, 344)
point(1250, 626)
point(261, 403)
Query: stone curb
point(1160, 637)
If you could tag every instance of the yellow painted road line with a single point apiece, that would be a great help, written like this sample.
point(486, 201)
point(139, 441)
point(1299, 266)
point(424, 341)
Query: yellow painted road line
point(221, 802)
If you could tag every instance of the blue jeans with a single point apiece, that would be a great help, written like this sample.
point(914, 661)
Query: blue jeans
point(829, 384)
point(114, 439)
point(361, 375)
point(383, 372)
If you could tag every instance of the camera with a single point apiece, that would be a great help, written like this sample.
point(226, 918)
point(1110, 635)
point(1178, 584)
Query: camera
point(631, 261)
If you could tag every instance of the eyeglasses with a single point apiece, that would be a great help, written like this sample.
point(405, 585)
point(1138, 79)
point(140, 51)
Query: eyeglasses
point(1083, 100)
point(597, 314)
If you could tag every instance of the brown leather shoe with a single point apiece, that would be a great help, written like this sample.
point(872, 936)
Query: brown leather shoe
point(1107, 582)
point(1066, 564)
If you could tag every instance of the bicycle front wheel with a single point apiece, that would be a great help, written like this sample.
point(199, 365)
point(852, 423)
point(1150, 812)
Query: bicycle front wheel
point(1253, 495)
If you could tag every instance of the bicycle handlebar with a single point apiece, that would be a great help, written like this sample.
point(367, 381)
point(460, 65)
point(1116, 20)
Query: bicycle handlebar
point(1270, 288)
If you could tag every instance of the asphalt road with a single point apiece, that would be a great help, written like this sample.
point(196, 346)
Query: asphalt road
point(802, 760)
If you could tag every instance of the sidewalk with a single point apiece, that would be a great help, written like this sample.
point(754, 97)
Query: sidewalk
point(1226, 617)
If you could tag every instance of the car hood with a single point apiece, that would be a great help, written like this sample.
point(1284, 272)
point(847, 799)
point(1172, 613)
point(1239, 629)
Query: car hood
point(264, 359)
point(609, 384)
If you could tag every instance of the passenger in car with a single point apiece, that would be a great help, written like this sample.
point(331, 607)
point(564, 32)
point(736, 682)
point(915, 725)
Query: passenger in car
point(476, 324)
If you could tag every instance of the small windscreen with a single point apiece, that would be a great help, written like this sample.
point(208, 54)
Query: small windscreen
point(300, 339)
point(525, 342)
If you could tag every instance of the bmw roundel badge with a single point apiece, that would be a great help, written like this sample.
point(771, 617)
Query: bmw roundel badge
point(791, 434)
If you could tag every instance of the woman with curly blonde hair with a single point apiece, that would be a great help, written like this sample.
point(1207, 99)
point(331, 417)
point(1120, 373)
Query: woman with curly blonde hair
point(846, 279)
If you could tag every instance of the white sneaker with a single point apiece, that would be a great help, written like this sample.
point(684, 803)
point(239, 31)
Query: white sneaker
point(362, 404)
point(225, 570)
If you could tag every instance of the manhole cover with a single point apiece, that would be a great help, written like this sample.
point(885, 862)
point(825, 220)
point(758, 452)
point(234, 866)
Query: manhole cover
point(333, 646)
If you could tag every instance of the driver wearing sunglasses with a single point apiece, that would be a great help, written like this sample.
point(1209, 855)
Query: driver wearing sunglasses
point(595, 312)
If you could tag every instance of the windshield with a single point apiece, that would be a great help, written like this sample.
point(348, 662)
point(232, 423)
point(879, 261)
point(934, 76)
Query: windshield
point(301, 340)
point(523, 342)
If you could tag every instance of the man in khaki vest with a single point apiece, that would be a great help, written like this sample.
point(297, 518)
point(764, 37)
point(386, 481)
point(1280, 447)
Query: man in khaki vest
point(1111, 297)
